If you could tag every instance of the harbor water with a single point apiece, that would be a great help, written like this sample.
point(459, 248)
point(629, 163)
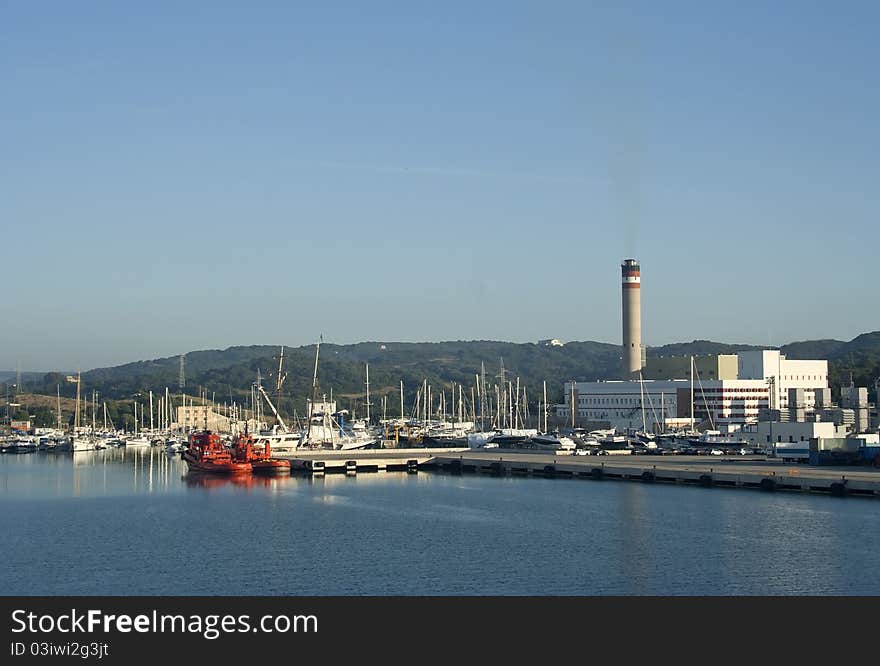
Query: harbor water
point(133, 522)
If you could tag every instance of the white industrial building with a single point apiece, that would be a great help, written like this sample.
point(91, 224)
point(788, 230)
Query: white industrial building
point(623, 403)
point(762, 380)
point(782, 374)
point(775, 432)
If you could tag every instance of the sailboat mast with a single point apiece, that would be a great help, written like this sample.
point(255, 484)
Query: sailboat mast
point(483, 397)
point(368, 391)
point(314, 387)
point(545, 407)
point(510, 405)
point(662, 412)
point(280, 382)
point(476, 396)
point(692, 394)
point(642, 400)
point(460, 404)
point(401, 400)
point(76, 413)
point(517, 405)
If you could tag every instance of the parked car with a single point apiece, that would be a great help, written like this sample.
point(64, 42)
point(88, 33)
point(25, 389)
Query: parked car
point(716, 452)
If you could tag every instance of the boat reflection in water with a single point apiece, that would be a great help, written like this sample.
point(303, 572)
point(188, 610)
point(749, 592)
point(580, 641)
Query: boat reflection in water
point(207, 480)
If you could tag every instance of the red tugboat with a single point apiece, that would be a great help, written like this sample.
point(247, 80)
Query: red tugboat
point(206, 453)
point(258, 456)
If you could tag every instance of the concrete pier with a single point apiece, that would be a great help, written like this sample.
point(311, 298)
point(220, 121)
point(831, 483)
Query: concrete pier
point(756, 472)
point(363, 460)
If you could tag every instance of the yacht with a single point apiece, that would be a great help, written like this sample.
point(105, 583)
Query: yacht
point(81, 443)
point(327, 429)
point(553, 442)
point(21, 444)
point(281, 440)
point(481, 440)
point(512, 437)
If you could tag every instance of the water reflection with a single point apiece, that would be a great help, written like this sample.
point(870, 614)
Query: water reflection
point(116, 512)
point(214, 481)
point(91, 473)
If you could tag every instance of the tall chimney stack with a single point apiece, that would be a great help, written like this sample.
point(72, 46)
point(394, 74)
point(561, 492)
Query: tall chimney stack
point(632, 317)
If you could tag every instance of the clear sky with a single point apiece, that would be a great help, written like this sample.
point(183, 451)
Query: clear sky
point(193, 175)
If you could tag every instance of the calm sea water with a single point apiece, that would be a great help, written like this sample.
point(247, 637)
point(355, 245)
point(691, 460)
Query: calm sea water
point(120, 522)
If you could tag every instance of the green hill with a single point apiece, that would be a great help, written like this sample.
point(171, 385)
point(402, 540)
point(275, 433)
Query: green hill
point(227, 375)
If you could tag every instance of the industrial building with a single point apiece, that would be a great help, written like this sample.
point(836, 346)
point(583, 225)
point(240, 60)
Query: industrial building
point(623, 404)
point(782, 374)
point(714, 404)
point(855, 398)
point(787, 432)
point(196, 417)
point(737, 389)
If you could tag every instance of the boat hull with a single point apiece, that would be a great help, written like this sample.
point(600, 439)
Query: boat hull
point(272, 466)
point(221, 467)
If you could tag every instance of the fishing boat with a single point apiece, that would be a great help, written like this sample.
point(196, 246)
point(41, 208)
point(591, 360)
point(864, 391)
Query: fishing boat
point(259, 455)
point(206, 453)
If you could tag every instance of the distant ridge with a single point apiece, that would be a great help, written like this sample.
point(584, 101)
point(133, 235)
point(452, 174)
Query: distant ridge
point(227, 374)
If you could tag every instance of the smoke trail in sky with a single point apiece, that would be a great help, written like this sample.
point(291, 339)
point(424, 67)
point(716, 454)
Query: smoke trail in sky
point(625, 109)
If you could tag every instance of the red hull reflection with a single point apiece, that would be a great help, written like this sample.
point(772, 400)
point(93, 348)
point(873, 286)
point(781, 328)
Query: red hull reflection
point(202, 480)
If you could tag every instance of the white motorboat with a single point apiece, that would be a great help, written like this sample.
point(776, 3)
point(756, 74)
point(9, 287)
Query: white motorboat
point(552, 443)
point(79, 443)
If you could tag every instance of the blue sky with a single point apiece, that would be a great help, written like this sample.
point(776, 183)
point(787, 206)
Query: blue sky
point(180, 176)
